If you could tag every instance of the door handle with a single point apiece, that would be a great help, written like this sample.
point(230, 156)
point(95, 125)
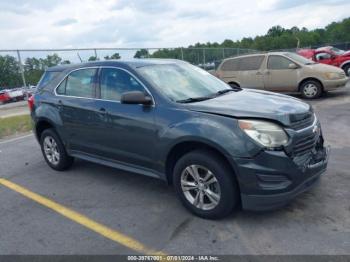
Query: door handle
point(103, 110)
point(267, 72)
point(60, 105)
point(258, 73)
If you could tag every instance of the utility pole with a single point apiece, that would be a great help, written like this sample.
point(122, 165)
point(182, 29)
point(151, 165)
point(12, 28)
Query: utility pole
point(21, 68)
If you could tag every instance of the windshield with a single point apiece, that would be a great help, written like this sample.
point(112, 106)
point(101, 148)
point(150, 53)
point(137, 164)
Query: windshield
point(183, 81)
point(300, 59)
point(47, 77)
point(337, 51)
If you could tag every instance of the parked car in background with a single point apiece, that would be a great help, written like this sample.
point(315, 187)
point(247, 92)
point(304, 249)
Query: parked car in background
point(16, 94)
point(29, 91)
point(329, 55)
point(220, 147)
point(283, 72)
point(4, 97)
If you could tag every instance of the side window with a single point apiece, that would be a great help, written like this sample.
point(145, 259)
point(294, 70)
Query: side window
point(61, 89)
point(114, 82)
point(321, 56)
point(277, 62)
point(230, 65)
point(80, 83)
point(250, 63)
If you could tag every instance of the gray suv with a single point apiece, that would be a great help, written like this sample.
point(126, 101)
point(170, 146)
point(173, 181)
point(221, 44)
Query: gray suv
point(220, 147)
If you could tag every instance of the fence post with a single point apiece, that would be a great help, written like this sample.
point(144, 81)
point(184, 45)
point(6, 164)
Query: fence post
point(203, 56)
point(95, 51)
point(182, 54)
point(223, 53)
point(21, 68)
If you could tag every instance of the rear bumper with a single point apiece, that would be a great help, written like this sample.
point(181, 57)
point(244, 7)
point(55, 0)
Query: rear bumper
point(272, 180)
point(329, 85)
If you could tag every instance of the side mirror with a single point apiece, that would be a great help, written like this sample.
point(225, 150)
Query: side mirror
point(292, 66)
point(333, 57)
point(136, 98)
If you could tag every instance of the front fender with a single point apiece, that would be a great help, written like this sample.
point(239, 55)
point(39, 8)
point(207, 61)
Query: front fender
point(219, 132)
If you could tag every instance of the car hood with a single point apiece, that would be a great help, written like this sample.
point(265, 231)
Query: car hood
point(252, 103)
point(325, 68)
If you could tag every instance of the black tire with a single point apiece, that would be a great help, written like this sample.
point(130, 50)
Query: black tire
point(64, 160)
point(346, 69)
point(233, 85)
point(311, 89)
point(229, 191)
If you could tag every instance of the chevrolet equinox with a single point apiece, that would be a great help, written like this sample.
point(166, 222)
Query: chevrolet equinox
point(221, 147)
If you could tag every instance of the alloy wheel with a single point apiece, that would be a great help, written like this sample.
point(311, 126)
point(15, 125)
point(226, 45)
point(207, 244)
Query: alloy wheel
point(200, 187)
point(51, 150)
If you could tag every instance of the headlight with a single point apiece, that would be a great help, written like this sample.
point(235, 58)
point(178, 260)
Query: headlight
point(268, 134)
point(333, 76)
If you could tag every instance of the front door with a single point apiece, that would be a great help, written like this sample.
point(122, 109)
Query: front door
point(279, 76)
point(130, 132)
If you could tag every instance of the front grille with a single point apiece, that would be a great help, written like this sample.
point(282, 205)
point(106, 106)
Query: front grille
point(305, 144)
point(301, 123)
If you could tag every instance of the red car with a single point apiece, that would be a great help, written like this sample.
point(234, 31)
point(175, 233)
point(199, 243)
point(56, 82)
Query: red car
point(329, 55)
point(4, 97)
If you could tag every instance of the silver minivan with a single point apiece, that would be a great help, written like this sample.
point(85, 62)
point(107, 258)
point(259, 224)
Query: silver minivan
point(283, 72)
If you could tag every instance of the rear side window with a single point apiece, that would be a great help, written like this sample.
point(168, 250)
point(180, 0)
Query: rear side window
point(230, 65)
point(80, 83)
point(250, 63)
point(277, 62)
point(114, 82)
point(47, 77)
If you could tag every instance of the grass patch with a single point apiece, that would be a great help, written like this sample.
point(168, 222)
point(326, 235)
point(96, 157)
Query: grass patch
point(14, 125)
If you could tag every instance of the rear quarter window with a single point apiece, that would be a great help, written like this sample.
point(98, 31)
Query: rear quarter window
point(46, 78)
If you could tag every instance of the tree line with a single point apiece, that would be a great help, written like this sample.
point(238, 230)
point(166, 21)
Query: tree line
point(276, 38)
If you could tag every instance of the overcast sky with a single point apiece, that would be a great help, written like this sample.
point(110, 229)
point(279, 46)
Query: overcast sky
point(153, 23)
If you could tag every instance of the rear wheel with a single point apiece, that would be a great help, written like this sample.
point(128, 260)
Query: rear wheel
point(311, 89)
point(54, 152)
point(205, 184)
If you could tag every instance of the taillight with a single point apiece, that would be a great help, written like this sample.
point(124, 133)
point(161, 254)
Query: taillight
point(31, 103)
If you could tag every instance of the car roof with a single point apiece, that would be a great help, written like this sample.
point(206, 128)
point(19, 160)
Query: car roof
point(257, 54)
point(134, 63)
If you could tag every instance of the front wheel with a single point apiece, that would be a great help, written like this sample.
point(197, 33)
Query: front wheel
point(54, 152)
point(346, 69)
point(206, 185)
point(311, 89)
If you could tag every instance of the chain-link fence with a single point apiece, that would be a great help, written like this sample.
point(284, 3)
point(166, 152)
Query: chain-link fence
point(24, 67)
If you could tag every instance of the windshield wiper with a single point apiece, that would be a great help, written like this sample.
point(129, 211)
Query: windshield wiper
point(193, 99)
point(224, 91)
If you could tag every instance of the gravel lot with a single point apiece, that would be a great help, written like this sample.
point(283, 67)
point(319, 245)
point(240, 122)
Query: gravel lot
point(317, 222)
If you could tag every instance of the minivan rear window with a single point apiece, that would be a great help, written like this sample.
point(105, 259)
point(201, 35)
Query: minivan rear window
point(243, 63)
point(250, 63)
point(230, 65)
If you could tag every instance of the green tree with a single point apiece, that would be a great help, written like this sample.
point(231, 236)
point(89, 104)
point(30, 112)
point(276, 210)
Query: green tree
point(9, 72)
point(93, 58)
point(114, 56)
point(142, 53)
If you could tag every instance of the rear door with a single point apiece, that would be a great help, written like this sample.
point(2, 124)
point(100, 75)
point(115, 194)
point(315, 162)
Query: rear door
point(278, 76)
point(249, 72)
point(83, 122)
